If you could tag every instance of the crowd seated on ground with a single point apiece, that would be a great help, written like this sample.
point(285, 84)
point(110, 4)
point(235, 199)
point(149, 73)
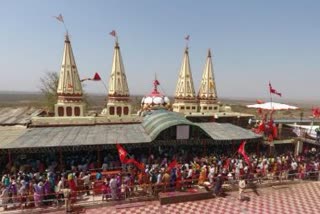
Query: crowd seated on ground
point(35, 183)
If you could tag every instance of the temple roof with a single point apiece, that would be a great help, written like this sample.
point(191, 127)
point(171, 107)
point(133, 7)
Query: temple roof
point(185, 88)
point(118, 85)
point(46, 138)
point(159, 120)
point(69, 81)
point(207, 89)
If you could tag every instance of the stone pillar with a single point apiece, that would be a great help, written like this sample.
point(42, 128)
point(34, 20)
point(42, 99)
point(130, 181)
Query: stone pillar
point(298, 147)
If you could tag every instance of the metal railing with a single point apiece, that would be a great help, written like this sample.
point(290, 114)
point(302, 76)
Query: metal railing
point(147, 191)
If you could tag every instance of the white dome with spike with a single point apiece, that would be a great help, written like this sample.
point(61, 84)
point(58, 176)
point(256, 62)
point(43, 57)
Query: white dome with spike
point(155, 99)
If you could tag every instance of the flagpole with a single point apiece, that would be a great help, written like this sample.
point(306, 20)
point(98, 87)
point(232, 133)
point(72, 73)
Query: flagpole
point(270, 94)
point(65, 27)
point(105, 86)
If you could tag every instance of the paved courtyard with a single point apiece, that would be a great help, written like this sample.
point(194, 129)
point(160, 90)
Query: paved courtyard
point(291, 199)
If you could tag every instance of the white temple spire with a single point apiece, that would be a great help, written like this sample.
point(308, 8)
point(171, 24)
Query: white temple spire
point(208, 86)
point(185, 99)
point(207, 93)
point(185, 88)
point(118, 85)
point(118, 94)
point(69, 91)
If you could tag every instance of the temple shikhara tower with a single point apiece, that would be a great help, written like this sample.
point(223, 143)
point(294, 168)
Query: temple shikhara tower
point(70, 95)
point(185, 99)
point(118, 95)
point(207, 93)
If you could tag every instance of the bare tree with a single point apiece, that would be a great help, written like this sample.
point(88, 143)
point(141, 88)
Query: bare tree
point(49, 84)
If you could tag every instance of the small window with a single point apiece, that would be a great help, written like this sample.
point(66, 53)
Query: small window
point(210, 108)
point(182, 108)
point(119, 110)
point(69, 111)
point(111, 110)
point(60, 111)
point(215, 108)
point(188, 107)
point(77, 111)
point(193, 107)
point(126, 110)
point(205, 108)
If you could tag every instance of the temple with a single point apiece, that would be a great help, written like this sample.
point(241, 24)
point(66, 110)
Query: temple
point(190, 120)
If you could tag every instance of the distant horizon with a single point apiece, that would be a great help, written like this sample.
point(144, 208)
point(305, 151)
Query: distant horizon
point(235, 98)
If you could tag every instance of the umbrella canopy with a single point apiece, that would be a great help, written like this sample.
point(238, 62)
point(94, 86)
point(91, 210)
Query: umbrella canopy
point(272, 106)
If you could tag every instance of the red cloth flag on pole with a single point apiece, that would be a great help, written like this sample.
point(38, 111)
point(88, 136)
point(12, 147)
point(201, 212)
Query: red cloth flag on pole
point(113, 33)
point(242, 151)
point(96, 77)
point(122, 154)
point(187, 37)
point(273, 91)
point(59, 18)
point(138, 165)
point(125, 160)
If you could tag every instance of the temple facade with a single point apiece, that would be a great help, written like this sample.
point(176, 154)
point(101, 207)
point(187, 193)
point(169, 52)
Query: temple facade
point(196, 107)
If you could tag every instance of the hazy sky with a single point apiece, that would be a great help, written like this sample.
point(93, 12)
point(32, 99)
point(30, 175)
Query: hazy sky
point(252, 42)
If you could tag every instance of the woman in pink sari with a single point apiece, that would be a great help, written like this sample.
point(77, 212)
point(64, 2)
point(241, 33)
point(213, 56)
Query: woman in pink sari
point(38, 193)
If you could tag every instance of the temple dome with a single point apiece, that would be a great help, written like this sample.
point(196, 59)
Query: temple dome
point(155, 99)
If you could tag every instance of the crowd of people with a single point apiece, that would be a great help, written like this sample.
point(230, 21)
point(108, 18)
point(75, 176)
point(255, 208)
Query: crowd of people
point(41, 182)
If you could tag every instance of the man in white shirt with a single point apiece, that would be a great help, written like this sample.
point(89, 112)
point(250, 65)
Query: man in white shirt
point(242, 186)
point(113, 187)
point(86, 183)
point(60, 187)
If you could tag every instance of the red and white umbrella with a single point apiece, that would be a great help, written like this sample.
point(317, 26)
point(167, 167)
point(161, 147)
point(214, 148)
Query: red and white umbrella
point(273, 106)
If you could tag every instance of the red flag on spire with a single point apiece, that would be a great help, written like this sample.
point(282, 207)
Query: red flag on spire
point(59, 18)
point(242, 151)
point(273, 91)
point(96, 77)
point(113, 33)
point(156, 82)
point(187, 37)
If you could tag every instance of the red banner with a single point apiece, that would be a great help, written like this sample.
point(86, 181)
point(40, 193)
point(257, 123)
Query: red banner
point(123, 155)
point(242, 151)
